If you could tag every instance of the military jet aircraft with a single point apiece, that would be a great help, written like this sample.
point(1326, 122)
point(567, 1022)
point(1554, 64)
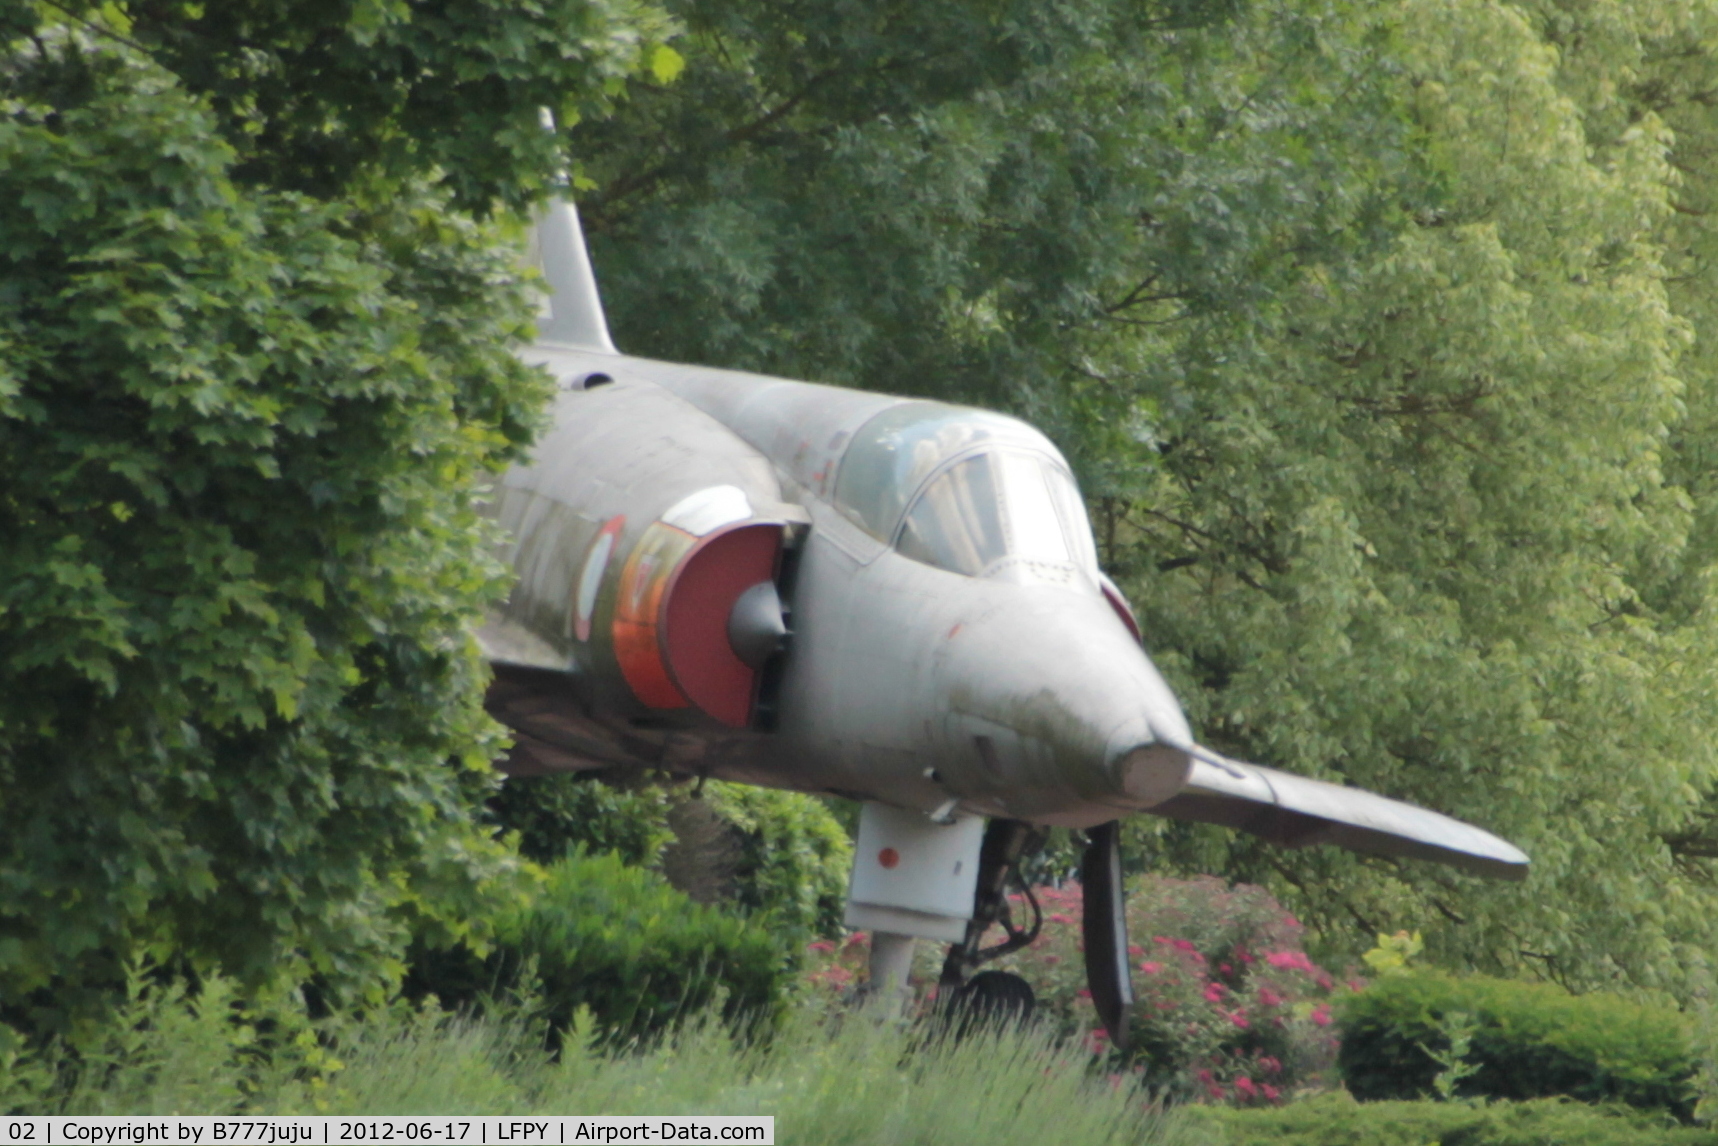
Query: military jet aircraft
point(894, 600)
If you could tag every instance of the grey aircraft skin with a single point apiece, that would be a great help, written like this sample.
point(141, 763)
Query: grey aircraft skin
point(899, 601)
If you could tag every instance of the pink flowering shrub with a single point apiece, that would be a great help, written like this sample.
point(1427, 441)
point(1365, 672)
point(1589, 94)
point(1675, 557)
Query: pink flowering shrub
point(1230, 1009)
point(834, 967)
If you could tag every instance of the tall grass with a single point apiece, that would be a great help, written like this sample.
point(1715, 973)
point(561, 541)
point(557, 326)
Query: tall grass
point(845, 1079)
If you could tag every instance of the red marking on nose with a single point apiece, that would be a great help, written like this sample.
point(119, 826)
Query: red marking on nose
point(889, 857)
point(958, 625)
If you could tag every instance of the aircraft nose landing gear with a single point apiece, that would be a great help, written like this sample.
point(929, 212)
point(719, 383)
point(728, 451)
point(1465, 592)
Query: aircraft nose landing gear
point(990, 999)
point(994, 996)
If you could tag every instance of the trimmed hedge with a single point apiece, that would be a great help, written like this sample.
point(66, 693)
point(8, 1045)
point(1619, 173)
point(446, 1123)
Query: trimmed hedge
point(1531, 1040)
point(1337, 1120)
point(779, 854)
point(620, 941)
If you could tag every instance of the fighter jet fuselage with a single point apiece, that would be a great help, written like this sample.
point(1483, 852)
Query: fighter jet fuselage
point(946, 641)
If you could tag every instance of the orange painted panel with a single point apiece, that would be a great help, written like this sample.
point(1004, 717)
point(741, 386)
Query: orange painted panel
point(636, 629)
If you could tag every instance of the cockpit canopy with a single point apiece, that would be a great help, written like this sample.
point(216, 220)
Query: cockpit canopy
point(968, 491)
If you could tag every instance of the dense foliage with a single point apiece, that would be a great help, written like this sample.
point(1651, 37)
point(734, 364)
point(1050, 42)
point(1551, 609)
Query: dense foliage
point(1229, 1007)
point(254, 360)
point(793, 859)
point(1379, 335)
point(351, 97)
point(557, 813)
point(614, 939)
point(1527, 1040)
point(852, 1083)
point(762, 852)
point(864, 1083)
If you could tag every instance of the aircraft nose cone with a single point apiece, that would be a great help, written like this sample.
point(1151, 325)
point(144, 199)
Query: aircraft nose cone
point(1061, 706)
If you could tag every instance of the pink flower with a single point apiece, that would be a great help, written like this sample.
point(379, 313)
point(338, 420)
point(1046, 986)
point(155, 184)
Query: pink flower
point(1269, 998)
point(1225, 969)
point(1247, 958)
point(1160, 939)
point(1150, 968)
point(1271, 1092)
point(1324, 982)
point(1185, 945)
point(1213, 992)
point(1356, 984)
point(1135, 950)
point(1321, 1015)
point(1059, 918)
point(1270, 1065)
point(1052, 960)
point(1245, 1088)
point(1206, 1077)
point(857, 939)
point(822, 947)
point(1083, 993)
point(1295, 960)
point(1239, 1019)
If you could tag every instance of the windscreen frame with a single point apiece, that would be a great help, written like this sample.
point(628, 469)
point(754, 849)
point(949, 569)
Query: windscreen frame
point(1008, 543)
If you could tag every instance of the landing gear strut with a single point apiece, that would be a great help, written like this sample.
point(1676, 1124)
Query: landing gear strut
point(891, 962)
point(995, 995)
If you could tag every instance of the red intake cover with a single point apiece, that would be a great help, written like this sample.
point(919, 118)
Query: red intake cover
point(699, 598)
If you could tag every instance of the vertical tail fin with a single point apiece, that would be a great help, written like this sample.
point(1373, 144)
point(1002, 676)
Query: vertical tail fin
point(572, 313)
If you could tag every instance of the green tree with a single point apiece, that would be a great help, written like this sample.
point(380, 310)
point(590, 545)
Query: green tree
point(254, 359)
point(1655, 62)
point(1415, 541)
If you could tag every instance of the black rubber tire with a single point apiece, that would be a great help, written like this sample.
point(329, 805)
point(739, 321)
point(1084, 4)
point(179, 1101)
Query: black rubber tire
point(992, 999)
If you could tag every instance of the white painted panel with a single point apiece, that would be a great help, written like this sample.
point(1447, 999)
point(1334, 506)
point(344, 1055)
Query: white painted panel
point(905, 862)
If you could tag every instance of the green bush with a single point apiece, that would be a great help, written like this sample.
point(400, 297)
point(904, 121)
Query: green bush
point(616, 939)
point(1337, 1120)
point(780, 855)
point(1529, 1040)
point(553, 814)
point(794, 856)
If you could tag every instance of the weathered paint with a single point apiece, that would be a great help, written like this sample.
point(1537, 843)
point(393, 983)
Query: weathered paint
point(639, 614)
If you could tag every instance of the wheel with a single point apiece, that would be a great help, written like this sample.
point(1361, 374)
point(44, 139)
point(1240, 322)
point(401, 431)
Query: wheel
point(992, 999)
